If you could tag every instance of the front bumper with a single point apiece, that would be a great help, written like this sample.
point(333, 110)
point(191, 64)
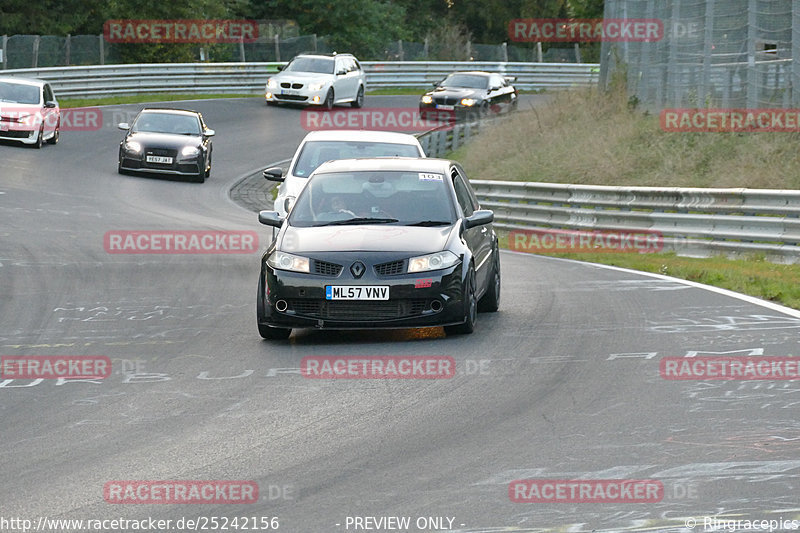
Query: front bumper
point(295, 300)
point(452, 112)
point(299, 96)
point(20, 135)
point(181, 167)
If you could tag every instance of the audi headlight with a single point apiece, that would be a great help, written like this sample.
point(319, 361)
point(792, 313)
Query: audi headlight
point(427, 99)
point(189, 151)
point(436, 261)
point(468, 102)
point(283, 261)
point(316, 86)
point(133, 146)
point(272, 84)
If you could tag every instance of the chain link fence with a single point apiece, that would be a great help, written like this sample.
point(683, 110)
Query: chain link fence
point(37, 51)
point(714, 53)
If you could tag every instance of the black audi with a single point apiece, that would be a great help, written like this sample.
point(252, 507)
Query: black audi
point(167, 141)
point(380, 243)
point(470, 95)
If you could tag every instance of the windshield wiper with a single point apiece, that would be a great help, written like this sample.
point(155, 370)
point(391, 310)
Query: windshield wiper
point(430, 223)
point(360, 220)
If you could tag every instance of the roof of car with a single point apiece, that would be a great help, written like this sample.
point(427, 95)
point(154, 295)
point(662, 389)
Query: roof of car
point(361, 135)
point(23, 81)
point(170, 110)
point(473, 72)
point(403, 164)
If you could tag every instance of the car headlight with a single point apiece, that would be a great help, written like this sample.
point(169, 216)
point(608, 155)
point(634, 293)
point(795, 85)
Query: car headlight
point(272, 84)
point(283, 261)
point(468, 102)
point(316, 86)
point(427, 99)
point(436, 261)
point(189, 151)
point(133, 146)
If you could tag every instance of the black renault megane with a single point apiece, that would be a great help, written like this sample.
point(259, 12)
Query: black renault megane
point(167, 141)
point(380, 243)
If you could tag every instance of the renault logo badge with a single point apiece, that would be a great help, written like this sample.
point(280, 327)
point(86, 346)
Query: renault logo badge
point(358, 269)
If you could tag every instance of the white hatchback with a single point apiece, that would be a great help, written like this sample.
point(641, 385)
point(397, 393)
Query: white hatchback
point(320, 146)
point(29, 111)
point(320, 80)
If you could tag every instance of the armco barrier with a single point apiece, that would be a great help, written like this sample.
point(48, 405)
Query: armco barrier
point(692, 221)
point(250, 78)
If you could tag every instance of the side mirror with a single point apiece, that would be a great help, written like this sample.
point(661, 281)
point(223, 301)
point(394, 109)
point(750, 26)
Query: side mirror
point(495, 88)
point(210, 133)
point(280, 67)
point(479, 218)
point(50, 103)
point(341, 72)
point(270, 218)
point(124, 126)
point(274, 174)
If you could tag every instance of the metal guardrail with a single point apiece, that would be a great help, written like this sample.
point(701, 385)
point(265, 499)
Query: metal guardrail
point(692, 221)
point(250, 78)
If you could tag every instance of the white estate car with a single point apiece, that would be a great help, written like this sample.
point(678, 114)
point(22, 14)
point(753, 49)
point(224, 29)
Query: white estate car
point(320, 146)
point(29, 111)
point(318, 79)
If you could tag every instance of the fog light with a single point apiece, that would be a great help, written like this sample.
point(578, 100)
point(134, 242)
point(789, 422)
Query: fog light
point(315, 99)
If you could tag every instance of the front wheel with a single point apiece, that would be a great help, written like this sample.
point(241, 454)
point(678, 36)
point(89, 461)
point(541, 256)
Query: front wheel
point(359, 101)
point(54, 138)
point(328, 100)
point(490, 301)
point(470, 310)
point(39, 138)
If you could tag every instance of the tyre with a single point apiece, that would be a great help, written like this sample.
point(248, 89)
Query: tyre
point(484, 110)
point(470, 308)
point(54, 138)
point(490, 301)
point(359, 101)
point(273, 334)
point(39, 143)
point(208, 166)
point(328, 104)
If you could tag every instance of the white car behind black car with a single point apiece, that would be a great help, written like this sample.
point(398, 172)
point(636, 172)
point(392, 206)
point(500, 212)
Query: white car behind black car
point(29, 111)
point(319, 80)
point(320, 146)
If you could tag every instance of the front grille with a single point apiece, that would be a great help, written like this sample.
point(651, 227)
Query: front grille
point(163, 152)
point(294, 97)
point(287, 85)
point(391, 269)
point(323, 268)
point(362, 311)
point(447, 101)
point(15, 134)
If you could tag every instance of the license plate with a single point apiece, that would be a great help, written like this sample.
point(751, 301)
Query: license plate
point(289, 92)
point(446, 107)
point(159, 159)
point(3, 126)
point(356, 292)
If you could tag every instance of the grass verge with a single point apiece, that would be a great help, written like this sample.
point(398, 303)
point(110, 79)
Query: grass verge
point(754, 276)
point(143, 98)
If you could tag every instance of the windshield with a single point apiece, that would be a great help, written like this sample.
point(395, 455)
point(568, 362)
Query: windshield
point(469, 81)
point(367, 197)
point(315, 153)
point(321, 65)
point(167, 123)
point(19, 93)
